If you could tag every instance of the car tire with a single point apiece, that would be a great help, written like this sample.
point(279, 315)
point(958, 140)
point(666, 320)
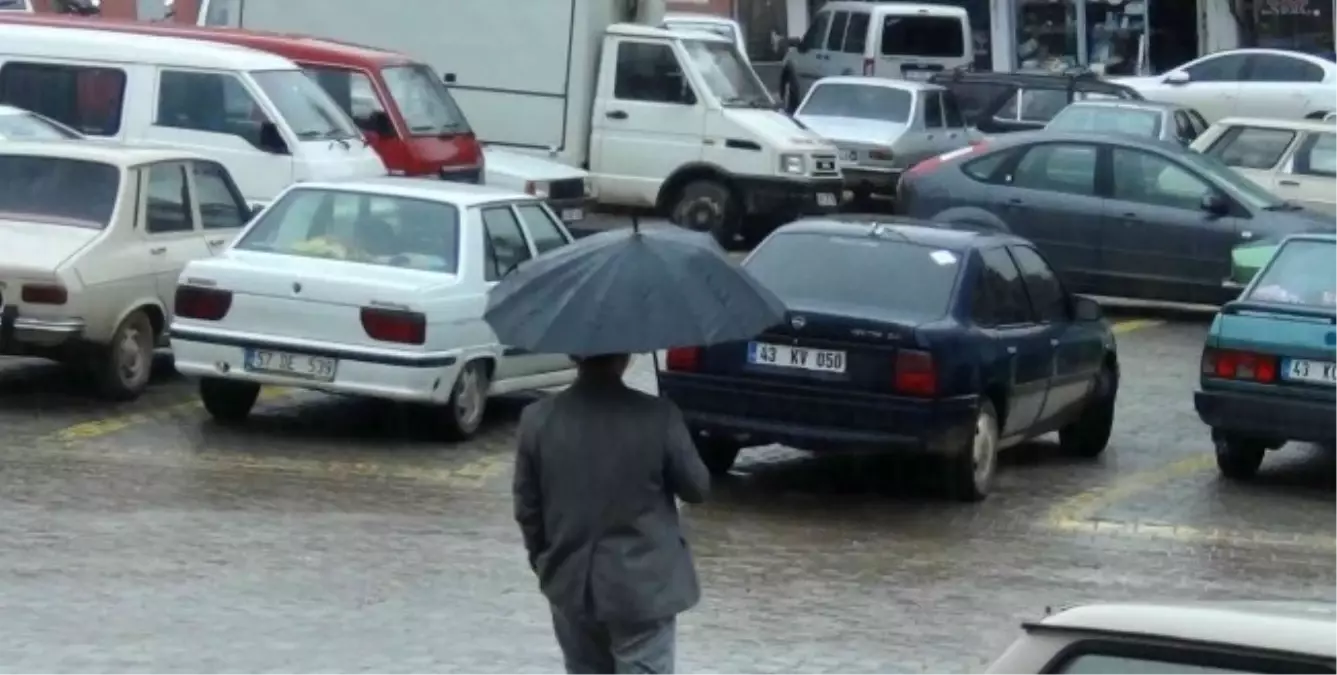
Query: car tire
point(707, 206)
point(123, 368)
point(789, 91)
point(463, 413)
point(1089, 434)
point(719, 455)
point(970, 471)
point(228, 401)
point(1238, 458)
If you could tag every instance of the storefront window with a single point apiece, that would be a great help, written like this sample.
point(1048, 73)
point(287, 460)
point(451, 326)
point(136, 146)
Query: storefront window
point(1302, 25)
point(1108, 36)
point(1116, 36)
point(1047, 34)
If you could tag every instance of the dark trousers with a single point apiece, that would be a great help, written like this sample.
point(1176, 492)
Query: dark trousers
point(590, 646)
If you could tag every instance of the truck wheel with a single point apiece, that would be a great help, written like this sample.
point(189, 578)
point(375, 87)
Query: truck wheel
point(707, 206)
point(971, 469)
point(789, 91)
point(1089, 435)
point(463, 414)
point(718, 454)
point(228, 401)
point(122, 369)
point(1238, 458)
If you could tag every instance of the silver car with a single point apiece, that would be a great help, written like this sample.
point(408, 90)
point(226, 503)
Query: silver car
point(1147, 119)
point(883, 127)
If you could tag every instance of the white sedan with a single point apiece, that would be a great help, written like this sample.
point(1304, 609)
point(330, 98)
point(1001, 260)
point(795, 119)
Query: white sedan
point(1247, 83)
point(1293, 159)
point(371, 288)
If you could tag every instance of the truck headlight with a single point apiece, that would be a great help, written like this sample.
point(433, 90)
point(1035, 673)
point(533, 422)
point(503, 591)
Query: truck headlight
point(793, 164)
point(589, 188)
point(538, 188)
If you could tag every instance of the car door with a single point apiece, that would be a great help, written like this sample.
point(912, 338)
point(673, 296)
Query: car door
point(545, 233)
point(1077, 349)
point(807, 56)
point(1306, 175)
point(1277, 86)
point(1256, 152)
point(1016, 356)
point(505, 247)
point(1159, 242)
point(1051, 198)
point(832, 60)
point(169, 233)
point(956, 132)
point(1212, 86)
point(220, 207)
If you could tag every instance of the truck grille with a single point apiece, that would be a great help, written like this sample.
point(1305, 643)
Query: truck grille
point(824, 165)
point(570, 188)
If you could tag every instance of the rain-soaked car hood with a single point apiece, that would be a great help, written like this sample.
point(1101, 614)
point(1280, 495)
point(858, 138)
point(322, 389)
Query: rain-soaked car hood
point(1281, 223)
point(853, 129)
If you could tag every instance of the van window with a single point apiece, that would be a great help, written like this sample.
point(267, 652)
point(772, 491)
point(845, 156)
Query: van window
point(306, 107)
point(424, 102)
point(856, 36)
point(646, 72)
point(37, 190)
point(352, 90)
point(87, 98)
point(928, 36)
point(210, 102)
point(816, 31)
point(837, 37)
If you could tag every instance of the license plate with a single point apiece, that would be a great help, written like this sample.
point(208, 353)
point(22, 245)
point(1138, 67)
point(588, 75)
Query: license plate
point(826, 199)
point(319, 368)
point(920, 75)
point(572, 215)
point(802, 358)
point(1302, 370)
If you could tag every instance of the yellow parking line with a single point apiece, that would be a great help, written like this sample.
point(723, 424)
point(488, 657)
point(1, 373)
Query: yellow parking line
point(85, 431)
point(1135, 324)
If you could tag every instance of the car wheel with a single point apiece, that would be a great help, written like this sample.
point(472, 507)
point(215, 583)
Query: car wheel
point(122, 370)
point(463, 413)
point(1238, 458)
point(228, 401)
point(718, 454)
point(1089, 435)
point(971, 470)
point(707, 206)
point(789, 92)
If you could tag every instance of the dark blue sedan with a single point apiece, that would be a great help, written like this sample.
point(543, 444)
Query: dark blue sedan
point(904, 336)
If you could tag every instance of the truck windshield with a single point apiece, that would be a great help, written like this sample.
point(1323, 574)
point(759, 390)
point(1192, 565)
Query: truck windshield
point(727, 75)
point(37, 190)
point(311, 113)
point(424, 102)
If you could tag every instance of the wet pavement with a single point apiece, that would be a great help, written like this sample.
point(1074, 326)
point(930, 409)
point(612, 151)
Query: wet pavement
point(337, 535)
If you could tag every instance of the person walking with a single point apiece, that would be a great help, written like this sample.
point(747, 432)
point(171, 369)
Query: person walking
point(598, 470)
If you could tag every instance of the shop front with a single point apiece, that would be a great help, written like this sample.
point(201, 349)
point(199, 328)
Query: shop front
point(1114, 37)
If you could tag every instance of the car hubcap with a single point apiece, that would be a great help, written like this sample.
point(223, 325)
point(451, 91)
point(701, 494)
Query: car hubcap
point(983, 451)
point(130, 361)
point(469, 397)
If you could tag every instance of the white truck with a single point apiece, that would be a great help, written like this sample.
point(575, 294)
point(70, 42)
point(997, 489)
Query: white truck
point(673, 121)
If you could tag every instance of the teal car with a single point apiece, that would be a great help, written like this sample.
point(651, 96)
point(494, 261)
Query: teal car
point(1267, 368)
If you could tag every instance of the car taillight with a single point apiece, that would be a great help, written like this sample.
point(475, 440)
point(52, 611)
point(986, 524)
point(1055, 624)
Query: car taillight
point(205, 304)
point(683, 359)
point(915, 373)
point(934, 162)
point(394, 325)
point(868, 67)
point(1239, 365)
point(44, 294)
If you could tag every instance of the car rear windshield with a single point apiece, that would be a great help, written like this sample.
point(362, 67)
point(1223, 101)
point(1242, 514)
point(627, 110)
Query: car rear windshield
point(868, 102)
point(1303, 272)
point(884, 274)
point(359, 227)
point(1107, 119)
point(58, 191)
point(930, 36)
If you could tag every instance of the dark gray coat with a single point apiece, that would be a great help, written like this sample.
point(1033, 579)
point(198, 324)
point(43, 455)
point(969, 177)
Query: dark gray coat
point(596, 473)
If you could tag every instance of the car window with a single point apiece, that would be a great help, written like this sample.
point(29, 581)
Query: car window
point(221, 203)
point(1057, 167)
point(856, 36)
point(1107, 119)
point(649, 71)
point(1103, 664)
point(951, 111)
point(1000, 296)
point(360, 227)
point(975, 98)
point(38, 189)
point(869, 272)
point(1040, 105)
point(816, 31)
point(861, 101)
point(1251, 147)
point(1316, 156)
point(1156, 181)
point(505, 244)
point(932, 109)
point(1302, 272)
point(1278, 68)
point(543, 229)
point(210, 102)
point(1184, 129)
point(923, 36)
point(86, 98)
point(1224, 68)
point(1199, 122)
point(168, 207)
point(984, 168)
point(839, 21)
point(1048, 300)
point(352, 90)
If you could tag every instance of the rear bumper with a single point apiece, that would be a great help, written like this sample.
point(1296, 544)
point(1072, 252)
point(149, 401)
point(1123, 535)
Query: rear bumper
point(1271, 417)
point(787, 199)
point(812, 420)
point(874, 181)
point(572, 210)
point(29, 336)
point(423, 377)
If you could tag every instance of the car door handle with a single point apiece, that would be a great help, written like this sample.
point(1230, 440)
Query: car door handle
point(616, 114)
point(158, 251)
point(217, 242)
point(1015, 201)
point(1288, 183)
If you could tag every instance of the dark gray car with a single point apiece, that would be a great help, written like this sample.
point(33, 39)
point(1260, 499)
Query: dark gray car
point(1115, 215)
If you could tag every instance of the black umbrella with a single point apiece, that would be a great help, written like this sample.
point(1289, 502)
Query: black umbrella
point(630, 291)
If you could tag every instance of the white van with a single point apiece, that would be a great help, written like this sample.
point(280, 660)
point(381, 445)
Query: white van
point(254, 112)
point(896, 40)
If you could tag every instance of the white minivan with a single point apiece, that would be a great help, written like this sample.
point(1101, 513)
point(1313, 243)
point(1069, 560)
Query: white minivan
point(896, 40)
point(254, 112)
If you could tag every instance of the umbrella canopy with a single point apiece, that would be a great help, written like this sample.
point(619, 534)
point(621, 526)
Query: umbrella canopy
point(1247, 259)
point(630, 291)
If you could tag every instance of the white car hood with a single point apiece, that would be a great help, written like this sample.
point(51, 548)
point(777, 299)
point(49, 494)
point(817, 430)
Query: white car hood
point(525, 167)
point(777, 130)
point(39, 248)
point(853, 129)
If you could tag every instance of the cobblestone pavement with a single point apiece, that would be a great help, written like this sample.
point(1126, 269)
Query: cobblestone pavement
point(334, 535)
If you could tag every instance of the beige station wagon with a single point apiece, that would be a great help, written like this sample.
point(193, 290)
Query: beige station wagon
point(1294, 159)
point(1207, 637)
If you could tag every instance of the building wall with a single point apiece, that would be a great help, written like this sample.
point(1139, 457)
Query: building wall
point(716, 7)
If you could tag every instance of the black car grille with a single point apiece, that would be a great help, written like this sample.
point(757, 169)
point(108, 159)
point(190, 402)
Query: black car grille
point(472, 176)
point(570, 188)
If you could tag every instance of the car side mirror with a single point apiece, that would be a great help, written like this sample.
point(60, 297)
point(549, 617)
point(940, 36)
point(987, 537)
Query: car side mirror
point(378, 123)
point(271, 140)
point(1177, 77)
point(1086, 309)
point(1215, 204)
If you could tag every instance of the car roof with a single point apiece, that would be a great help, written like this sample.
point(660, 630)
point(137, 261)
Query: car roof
point(914, 230)
point(1295, 627)
point(11, 110)
point(87, 43)
point(122, 156)
point(638, 30)
point(1081, 82)
point(461, 194)
point(896, 7)
point(1127, 140)
point(1290, 125)
point(906, 85)
point(1312, 236)
point(1163, 106)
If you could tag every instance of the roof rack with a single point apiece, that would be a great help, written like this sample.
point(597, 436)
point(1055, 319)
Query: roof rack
point(1075, 80)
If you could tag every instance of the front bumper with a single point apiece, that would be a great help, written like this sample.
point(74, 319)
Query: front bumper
point(1269, 417)
point(789, 198)
point(29, 336)
point(419, 377)
point(800, 417)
